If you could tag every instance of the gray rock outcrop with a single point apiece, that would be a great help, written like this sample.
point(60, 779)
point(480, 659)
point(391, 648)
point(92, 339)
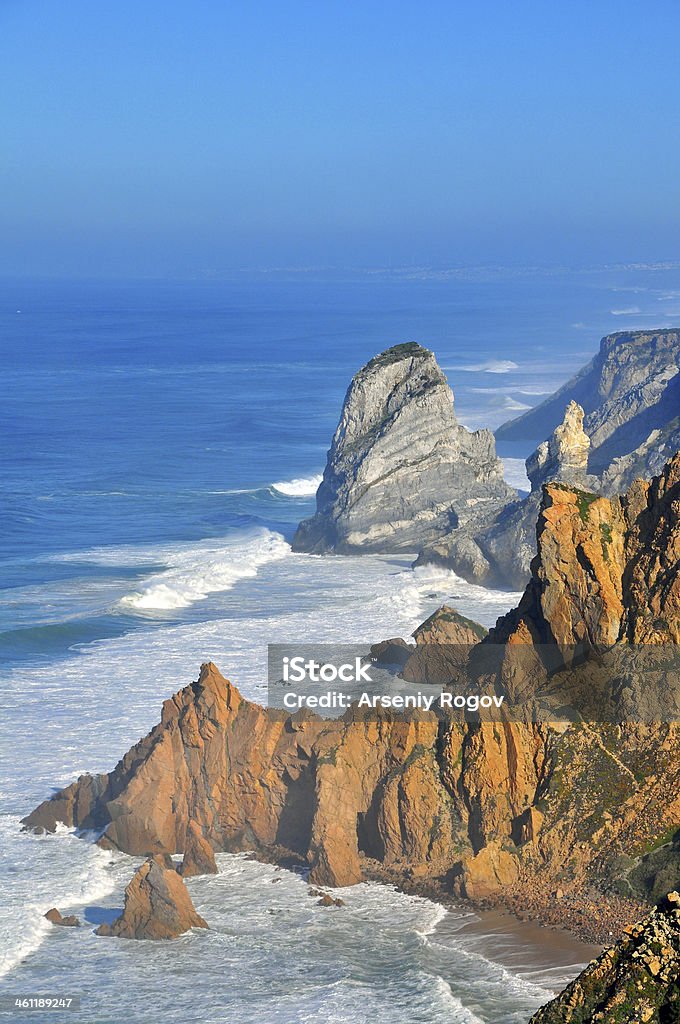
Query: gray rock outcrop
point(401, 471)
point(616, 421)
point(564, 456)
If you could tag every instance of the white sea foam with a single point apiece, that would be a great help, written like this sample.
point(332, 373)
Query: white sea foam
point(47, 871)
point(197, 570)
point(515, 473)
point(299, 487)
point(382, 948)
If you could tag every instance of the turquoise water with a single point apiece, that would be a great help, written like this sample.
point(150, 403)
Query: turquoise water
point(159, 444)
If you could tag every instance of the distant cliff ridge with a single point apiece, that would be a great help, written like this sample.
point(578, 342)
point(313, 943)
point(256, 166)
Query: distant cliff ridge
point(401, 471)
point(618, 420)
point(630, 394)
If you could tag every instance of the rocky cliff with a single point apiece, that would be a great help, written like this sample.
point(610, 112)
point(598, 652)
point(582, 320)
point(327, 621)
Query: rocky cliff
point(401, 471)
point(564, 456)
point(630, 393)
point(616, 421)
point(510, 811)
point(637, 980)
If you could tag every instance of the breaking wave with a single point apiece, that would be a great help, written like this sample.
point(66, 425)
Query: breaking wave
point(197, 570)
point(299, 487)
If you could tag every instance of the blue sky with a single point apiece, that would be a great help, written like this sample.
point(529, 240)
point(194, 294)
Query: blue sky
point(156, 138)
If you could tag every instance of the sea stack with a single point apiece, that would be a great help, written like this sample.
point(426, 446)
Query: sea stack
point(401, 471)
point(564, 456)
point(157, 905)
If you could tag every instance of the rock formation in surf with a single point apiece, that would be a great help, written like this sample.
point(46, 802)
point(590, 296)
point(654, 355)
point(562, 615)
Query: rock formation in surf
point(564, 456)
point(443, 645)
point(157, 905)
point(508, 811)
point(638, 979)
point(55, 916)
point(401, 470)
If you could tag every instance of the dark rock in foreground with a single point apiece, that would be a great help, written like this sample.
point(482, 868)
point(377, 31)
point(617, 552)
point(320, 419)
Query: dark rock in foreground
point(157, 905)
point(637, 980)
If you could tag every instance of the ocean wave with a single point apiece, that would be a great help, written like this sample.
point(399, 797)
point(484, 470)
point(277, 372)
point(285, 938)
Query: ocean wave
point(450, 1002)
point(490, 366)
point(299, 487)
point(197, 570)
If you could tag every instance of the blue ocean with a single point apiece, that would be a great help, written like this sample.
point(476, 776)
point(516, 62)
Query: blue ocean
point(160, 443)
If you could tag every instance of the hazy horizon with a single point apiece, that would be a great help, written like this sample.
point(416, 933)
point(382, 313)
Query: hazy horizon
point(157, 142)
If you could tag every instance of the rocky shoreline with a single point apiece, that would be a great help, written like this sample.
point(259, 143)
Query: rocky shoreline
point(592, 918)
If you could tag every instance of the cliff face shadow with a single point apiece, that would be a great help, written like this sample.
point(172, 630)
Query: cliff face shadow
point(295, 823)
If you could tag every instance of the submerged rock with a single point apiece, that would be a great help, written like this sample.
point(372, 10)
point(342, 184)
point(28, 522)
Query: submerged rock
point(638, 979)
point(329, 901)
point(157, 905)
point(401, 470)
